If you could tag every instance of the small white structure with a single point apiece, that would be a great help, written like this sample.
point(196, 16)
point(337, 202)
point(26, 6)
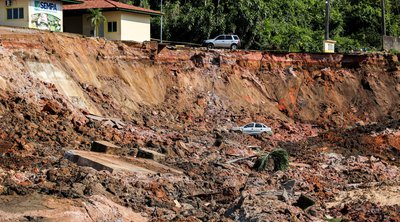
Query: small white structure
point(124, 22)
point(329, 46)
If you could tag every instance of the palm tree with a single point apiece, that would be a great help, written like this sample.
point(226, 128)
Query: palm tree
point(96, 17)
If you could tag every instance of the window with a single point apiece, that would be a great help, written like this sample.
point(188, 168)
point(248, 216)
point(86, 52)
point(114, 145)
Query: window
point(221, 37)
point(236, 37)
point(249, 125)
point(258, 125)
point(15, 13)
point(112, 26)
point(228, 37)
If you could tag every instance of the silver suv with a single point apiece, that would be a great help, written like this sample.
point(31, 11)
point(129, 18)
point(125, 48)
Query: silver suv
point(223, 41)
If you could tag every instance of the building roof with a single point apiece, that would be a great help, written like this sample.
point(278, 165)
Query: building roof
point(65, 2)
point(110, 5)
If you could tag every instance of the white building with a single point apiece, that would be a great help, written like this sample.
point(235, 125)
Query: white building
point(124, 22)
point(40, 14)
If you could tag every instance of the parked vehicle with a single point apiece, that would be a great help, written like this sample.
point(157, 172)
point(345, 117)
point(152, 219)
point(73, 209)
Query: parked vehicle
point(254, 129)
point(223, 41)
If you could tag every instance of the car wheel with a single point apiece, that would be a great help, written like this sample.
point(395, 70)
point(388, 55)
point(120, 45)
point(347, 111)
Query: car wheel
point(233, 46)
point(210, 46)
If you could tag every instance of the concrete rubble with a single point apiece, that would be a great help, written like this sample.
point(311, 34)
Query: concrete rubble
point(105, 147)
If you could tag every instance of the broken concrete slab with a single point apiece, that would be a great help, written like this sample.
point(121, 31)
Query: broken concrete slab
point(150, 154)
point(105, 147)
point(101, 161)
point(112, 163)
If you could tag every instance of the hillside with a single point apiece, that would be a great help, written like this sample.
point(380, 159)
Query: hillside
point(336, 115)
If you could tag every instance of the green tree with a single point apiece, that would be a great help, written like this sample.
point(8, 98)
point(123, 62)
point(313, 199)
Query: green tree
point(96, 17)
point(287, 25)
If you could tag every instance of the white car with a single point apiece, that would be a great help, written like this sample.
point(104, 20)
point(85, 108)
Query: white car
point(255, 129)
point(223, 41)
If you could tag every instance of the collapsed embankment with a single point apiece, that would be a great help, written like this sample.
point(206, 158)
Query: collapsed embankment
point(325, 110)
point(113, 78)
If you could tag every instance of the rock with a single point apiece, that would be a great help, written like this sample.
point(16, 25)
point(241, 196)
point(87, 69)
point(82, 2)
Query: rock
point(177, 204)
point(5, 146)
point(288, 186)
point(113, 122)
point(218, 140)
point(51, 107)
point(304, 202)
point(362, 159)
point(150, 154)
point(108, 123)
point(284, 196)
point(51, 175)
point(94, 117)
point(79, 188)
point(181, 145)
point(373, 159)
point(105, 147)
point(179, 152)
point(360, 123)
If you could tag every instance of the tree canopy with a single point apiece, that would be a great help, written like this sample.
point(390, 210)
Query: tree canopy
point(287, 25)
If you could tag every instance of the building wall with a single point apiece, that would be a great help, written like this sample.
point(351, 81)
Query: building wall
point(135, 27)
point(391, 43)
point(15, 22)
point(45, 15)
point(86, 26)
point(130, 26)
point(113, 16)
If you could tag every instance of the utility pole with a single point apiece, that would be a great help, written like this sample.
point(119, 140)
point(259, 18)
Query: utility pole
point(383, 18)
point(383, 23)
point(327, 19)
point(161, 26)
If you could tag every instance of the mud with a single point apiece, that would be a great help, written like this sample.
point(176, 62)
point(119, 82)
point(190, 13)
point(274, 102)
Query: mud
point(336, 115)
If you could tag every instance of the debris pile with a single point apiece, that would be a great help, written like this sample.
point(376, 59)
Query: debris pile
point(129, 136)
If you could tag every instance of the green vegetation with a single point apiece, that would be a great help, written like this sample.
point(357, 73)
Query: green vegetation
point(285, 25)
point(96, 17)
point(279, 157)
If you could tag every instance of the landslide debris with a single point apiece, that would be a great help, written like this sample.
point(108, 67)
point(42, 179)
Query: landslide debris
point(183, 103)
